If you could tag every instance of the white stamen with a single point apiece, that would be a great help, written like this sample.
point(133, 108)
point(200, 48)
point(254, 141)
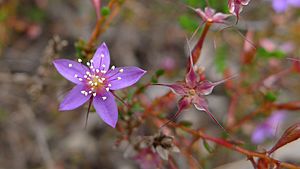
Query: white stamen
point(94, 94)
point(97, 70)
point(107, 89)
point(103, 65)
point(102, 78)
point(100, 81)
point(70, 65)
point(104, 98)
point(102, 55)
point(82, 91)
point(103, 71)
point(109, 85)
point(79, 60)
point(87, 72)
point(113, 68)
point(86, 93)
point(85, 76)
point(76, 75)
point(91, 66)
point(91, 61)
point(80, 79)
point(90, 92)
point(97, 77)
point(95, 84)
point(88, 63)
point(119, 78)
point(121, 70)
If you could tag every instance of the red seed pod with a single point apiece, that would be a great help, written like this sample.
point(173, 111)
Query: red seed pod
point(290, 135)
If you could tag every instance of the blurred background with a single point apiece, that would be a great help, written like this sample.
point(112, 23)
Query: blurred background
point(149, 34)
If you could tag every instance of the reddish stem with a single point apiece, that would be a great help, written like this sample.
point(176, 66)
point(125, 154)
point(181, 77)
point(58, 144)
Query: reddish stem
point(197, 49)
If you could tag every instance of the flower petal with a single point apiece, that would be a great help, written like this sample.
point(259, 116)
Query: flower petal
point(69, 69)
point(220, 17)
point(177, 88)
point(183, 103)
point(280, 5)
point(209, 12)
point(201, 104)
point(101, 58)
point(191, 77)
point(205, 87)
point(106, 108)
point(74, 99)
point(201, 14)
point(245, 2)
point(124, 76)
point(295, 3)
point(261, 133)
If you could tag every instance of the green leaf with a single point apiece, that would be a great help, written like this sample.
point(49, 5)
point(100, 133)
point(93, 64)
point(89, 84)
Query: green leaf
point(105, 11)
point(220, 6)
point(3, 15)
point(263, 53)
point(79, 47)
point(159, 72)
point(36, 14)
point(207, 146)
point(220, 59)
point(271, 96)
point(186, 123)
point(154, 80)
point(193, 3)
point(137, 108)
point(188, 23)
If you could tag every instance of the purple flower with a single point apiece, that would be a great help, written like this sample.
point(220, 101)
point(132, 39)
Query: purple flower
point(268, 128)
point(192, 91)
point(210, 15)
point(236, 6)
point(95, 82)
point(281, 5)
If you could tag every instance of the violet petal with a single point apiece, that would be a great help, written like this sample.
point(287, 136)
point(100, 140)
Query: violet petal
point(177, 88)
point(220, 17)
point(101, 58)
point(205, 88)
point(74, 99)
point(124, 76)
point(106, 108)
point(183, 103)
point(244, 2)
point(209, 12)
point(295, 3)
point(279, 5)
point(260, 134)
point(191, 78)
point(69, 69)
point(201, 14)
point(200, 103)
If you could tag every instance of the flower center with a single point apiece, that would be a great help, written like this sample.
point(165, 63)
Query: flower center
point(192, 92)
point(96, 81)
